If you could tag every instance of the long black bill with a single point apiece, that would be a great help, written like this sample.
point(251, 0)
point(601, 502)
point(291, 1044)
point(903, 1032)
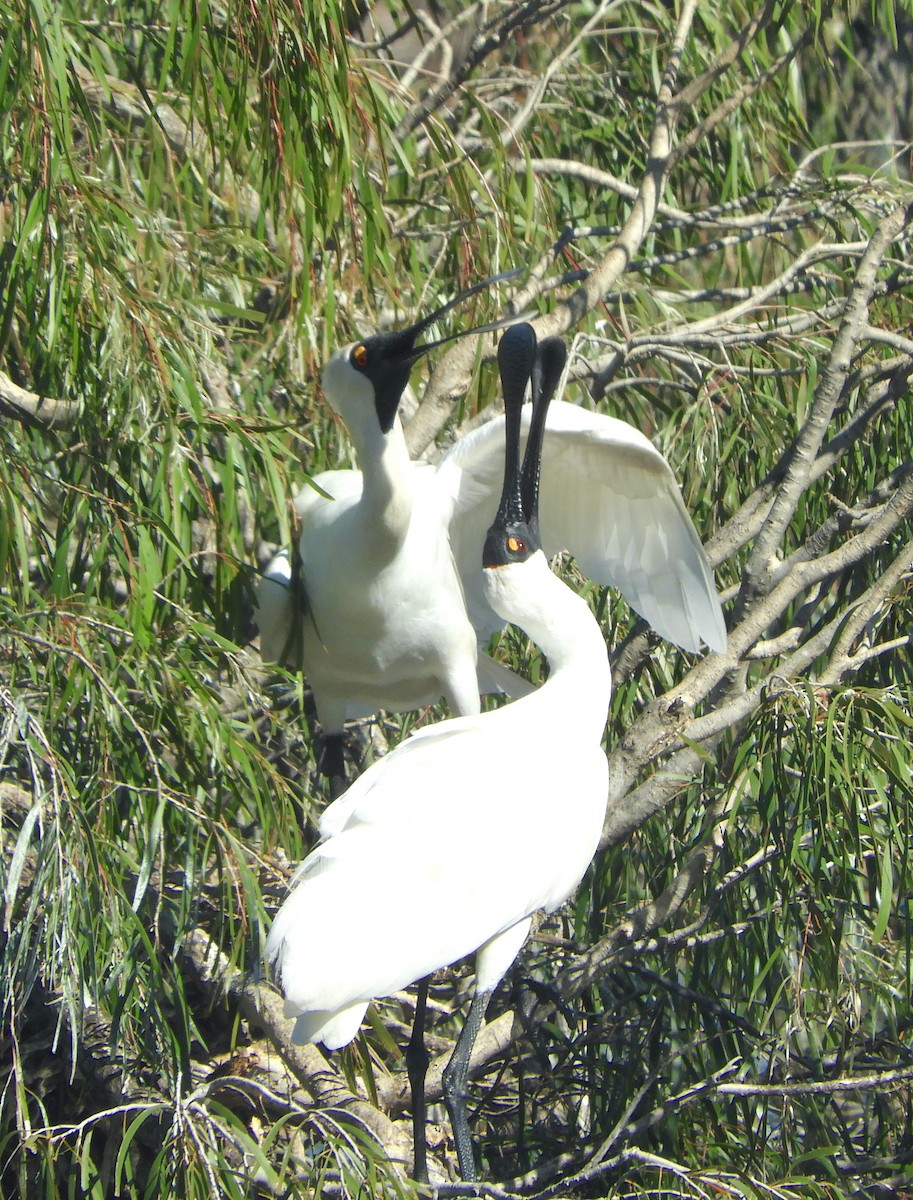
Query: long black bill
point(509, 539)
point(547, 371)
point(387, 358)
point(403, 340)
point(420, 326)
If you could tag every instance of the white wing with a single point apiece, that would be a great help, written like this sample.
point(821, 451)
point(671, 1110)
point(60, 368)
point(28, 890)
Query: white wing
point(275, 602)
point(275, 611)
point(446, 843)
point(324, 489)
point(609, 497)
point(370, 799)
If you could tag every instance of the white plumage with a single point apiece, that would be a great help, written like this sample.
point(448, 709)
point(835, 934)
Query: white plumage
point(395, 609)
point(453, 840)
point(450, 843)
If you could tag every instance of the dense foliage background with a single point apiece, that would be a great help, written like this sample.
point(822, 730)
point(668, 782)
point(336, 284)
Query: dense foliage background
point(197, 202)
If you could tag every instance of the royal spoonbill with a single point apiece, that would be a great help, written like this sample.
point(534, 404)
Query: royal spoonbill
point(393, 608)
point(448, 845)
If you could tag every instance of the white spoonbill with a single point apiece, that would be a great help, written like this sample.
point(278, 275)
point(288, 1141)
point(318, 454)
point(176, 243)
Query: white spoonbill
point(393, 609)
point(449, 844)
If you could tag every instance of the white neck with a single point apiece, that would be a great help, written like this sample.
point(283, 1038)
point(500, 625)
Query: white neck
point(528, 594)
point(386, 497)
point(382, 457)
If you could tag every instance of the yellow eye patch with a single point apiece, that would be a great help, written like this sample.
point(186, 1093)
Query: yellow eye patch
point(360, 356)
point(515, 545)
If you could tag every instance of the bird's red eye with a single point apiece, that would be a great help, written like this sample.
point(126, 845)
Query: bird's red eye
point(516, 545)
point(360, 356)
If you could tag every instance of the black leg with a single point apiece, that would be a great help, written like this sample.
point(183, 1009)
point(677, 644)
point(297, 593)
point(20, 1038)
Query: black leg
point(456, 1075)
point(333, 762)
point(417, 1059)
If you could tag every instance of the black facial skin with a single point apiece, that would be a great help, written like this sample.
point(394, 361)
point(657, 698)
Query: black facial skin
point(511, 543)
point(387, 360)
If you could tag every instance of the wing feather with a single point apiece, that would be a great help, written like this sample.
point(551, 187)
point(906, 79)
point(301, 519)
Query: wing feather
point(609, 498)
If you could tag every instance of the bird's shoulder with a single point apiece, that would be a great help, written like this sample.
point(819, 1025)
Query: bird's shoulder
point(429, 769)
point(327, 487)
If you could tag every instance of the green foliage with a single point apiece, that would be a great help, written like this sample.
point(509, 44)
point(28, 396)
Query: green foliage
point(196, 204)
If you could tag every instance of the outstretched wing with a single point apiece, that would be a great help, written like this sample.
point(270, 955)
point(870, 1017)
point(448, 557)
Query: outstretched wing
point(609, 497)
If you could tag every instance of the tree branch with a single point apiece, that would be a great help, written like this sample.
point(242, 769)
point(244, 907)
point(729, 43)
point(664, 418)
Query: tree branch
point(452, 376)
point(33, 408)
point(804, 451)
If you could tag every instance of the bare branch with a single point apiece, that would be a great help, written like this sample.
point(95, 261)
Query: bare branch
point(34, 408)
point(805, 449)
point(818, 1087)
point(451, 378)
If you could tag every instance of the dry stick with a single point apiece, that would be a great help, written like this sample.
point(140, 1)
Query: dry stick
point(34, 408)
point(808, 566)
point(756, 297)
point(682, 767)
point(723, 219)
point(818, 1087)
point(575, 1160)
point(597, 178)
point(262, 1006)
point(716, 1086)
point(441, 38)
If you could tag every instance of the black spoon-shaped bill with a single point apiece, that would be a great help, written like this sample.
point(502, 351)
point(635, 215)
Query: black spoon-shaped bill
point(509, 538)
point(387, 359)
point(551, 358)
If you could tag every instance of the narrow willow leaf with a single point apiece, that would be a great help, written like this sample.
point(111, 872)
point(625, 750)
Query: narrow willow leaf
point(886, 893)
point(17, 861)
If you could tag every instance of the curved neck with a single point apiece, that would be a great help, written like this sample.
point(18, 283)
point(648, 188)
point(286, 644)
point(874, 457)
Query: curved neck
point(560, 623)
point(386, 498)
